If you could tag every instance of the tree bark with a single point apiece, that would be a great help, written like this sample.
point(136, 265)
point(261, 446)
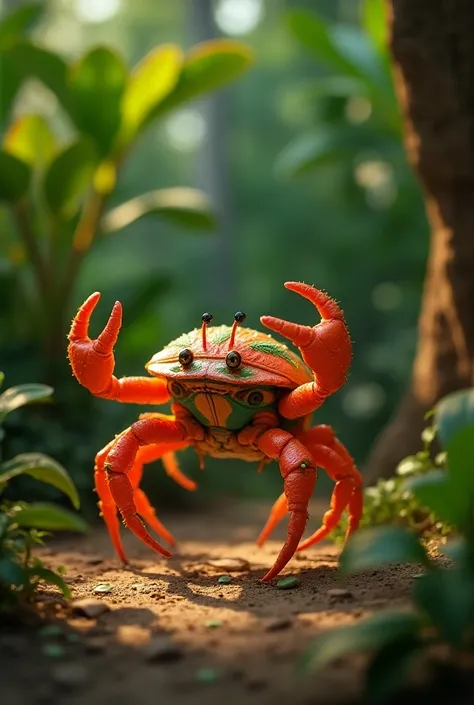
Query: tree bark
point(432, 47)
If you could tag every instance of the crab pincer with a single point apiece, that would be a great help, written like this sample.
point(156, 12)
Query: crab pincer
point(92, 361)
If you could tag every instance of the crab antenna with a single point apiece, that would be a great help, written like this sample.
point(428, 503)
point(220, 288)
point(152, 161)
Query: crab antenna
point(206, 319)
point(238, 318)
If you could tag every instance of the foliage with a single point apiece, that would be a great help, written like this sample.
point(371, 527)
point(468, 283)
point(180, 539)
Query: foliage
point(395, 501)
point(23, 525)
point(443, 598)
point(59, 180)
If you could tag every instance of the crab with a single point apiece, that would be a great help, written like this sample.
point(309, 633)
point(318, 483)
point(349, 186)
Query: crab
point(235, 393)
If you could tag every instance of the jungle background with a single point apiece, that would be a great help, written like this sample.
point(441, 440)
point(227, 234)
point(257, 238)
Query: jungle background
point(307, 173)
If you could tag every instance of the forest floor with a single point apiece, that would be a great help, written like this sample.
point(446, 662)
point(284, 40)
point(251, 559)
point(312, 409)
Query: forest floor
point(171, 633)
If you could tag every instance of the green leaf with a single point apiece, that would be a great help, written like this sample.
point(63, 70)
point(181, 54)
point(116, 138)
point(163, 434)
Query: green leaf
point(14, 178)
point(10, 82)
point(371, 548)
point(437, 492)
point(20, 20)
point(97, 84)
point(411, 465)
point(42, 468)
point(368, 635)
point(460, 461)
point(387, 671)
point(14, 397)
point(454, 412)
point(50, 577)
point(185, 207)
point(69, 176)
point(324, 145)
point(447, 597)
point(42, 515)
point(207, 67)
point(31, 140)
point(150, 82)
point(2, 378)
point(11, 573)
point(375, 23)
point(31, 61)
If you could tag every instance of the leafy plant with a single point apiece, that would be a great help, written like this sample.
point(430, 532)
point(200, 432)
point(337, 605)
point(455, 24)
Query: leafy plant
point(24, 525)
point(394, 501)
point(442, 598)
point(58, 190)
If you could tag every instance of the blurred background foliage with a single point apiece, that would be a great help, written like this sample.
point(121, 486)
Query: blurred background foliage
point(302, 161)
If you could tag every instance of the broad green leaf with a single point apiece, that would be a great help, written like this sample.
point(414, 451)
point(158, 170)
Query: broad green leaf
point(50, 577)
point(69, 176)
point(14, 178)
point(11, 573)
point(97, 84)
point(186, 207)
point(365, 636)
point(20, 20)
point(452, 413)
point(207, 67)
point(2, 378)
point(14, 397)
point(436, 491)
point(321, 146)
point(387, 671)
point(42, 515)
point(371, 548)
point(460, 455)
point(149, 84)
point(42, 468)
point(30, 139)
point(374, 21)
point(10, 82)
point(447, 597)
point(32, 61)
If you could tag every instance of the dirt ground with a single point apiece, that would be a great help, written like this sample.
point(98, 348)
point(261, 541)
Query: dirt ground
point(173, 634)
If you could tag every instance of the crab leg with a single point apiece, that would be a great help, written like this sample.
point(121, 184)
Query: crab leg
point(326, 349)
point(329, 453)
point(93, 363)
point(299, 478)
point(347, 493)
point(117, 485)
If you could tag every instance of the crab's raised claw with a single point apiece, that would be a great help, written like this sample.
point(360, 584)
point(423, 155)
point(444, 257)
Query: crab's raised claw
point(326, 349)
point(299, 476)
point(92, 361)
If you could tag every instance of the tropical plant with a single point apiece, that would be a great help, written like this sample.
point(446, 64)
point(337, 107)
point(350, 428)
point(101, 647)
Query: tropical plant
point(442, 597)
point(24, 525)
point(58, 180)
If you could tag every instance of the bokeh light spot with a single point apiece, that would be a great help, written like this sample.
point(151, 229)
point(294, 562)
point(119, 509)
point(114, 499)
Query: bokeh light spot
point(238, 17)
point(95, 11)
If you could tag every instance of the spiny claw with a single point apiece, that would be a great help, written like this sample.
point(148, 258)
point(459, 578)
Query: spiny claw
point(326, 349)
point(92, 361)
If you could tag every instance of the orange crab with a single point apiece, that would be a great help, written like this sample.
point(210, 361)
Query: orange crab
point(235, 392)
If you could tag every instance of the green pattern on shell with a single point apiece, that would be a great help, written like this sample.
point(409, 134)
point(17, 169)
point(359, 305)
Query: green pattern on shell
point(234, 374)
point(220, 336)
point(273, 349)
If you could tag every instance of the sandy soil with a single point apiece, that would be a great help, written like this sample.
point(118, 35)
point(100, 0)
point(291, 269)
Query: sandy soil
point(173, 634)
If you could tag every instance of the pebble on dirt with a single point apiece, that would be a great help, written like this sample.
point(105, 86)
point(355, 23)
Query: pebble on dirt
point(340, 594)
point(225, 579)
point(231, 564)
point(89, 608)
point(162, 649)
point(103, 588)
point(288, 583)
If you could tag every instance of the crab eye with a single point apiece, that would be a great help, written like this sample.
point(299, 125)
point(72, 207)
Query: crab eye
point(185, 357)
point(233, 360)
point(177, 390)
point(255, 398)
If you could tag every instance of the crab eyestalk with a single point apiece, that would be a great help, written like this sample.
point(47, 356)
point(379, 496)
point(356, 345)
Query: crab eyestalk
point(239, 318)
point(206, 319)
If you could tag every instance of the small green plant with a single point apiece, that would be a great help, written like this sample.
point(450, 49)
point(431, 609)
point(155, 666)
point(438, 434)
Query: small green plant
point(24, 525)
point(442, 598)
point(392, 501)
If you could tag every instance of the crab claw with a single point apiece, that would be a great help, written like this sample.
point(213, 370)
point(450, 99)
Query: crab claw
point(326, 349)
point(92, 361)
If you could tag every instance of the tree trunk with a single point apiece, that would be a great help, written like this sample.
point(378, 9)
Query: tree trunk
point(432, 46)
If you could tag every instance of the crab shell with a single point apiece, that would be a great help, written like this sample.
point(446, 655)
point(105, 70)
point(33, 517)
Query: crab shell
point(265, 361)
